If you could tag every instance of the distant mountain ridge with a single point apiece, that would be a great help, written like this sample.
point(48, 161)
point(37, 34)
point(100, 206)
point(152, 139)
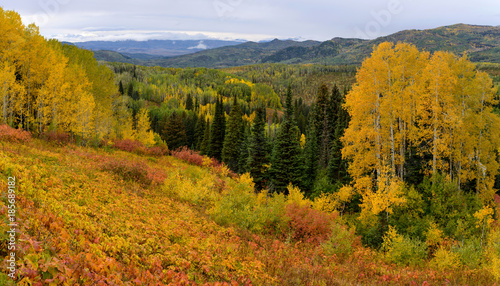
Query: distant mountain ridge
point(482, 43)
point(158, 48)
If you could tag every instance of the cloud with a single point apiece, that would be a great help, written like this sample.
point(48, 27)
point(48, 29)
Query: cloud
point(200, 46)
point(243, 19)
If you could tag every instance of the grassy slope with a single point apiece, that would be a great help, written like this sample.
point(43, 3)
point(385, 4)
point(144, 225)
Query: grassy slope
point(84, 222)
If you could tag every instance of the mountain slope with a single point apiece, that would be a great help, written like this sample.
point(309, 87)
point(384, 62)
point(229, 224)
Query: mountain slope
point(242, 54)
point(162, 48)
point(482, 43)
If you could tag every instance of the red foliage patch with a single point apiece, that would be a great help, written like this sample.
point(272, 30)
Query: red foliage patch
point(307, 224)
point(10, 134)
point(135, 171)
point(188, 155)
point(59, 137)
point(139, 148)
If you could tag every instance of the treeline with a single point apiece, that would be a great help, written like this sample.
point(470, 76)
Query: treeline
point(47, 87)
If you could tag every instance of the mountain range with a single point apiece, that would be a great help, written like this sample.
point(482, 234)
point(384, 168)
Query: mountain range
point(481, 43)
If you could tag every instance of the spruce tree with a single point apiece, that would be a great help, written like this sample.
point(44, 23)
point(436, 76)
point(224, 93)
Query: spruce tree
point(120, 88)
point(199, 131)
point(322, 125)
point(205, 142)
point(189, 102)
point(244, 152)
point(174, 132)
point(257, 151)
point(217, 131)
point(286, 166)
point(190, 121)
point(232, 140)
point(310, 158)
point(337, 167)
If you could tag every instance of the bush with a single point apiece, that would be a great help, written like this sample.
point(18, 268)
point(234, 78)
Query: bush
point(307, 224)
point(56, 136)
point(10, 134)
point(129, 145)
point(403, 250)
point(188, 155)
point(469, 252)
point(445, 260)
point(341, 241)
point(134, 171)
point(240, 206)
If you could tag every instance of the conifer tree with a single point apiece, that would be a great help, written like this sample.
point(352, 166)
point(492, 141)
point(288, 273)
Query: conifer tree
point(232, 140)
point(244, 149)
point(310, 157)
point(189, 102)
point(199, 131)
point(217, 131)
point(286, 165)
point(174, 132)
point(120, 88)
point(205, 142)
point(322, 125)
point(257, 151)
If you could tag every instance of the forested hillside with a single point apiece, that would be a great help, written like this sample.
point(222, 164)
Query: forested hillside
point(268, 174)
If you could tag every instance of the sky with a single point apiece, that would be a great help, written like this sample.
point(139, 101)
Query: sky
point(254, 20)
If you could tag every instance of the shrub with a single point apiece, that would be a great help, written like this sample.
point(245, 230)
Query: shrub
point(403, 250)
point(308, 224)
point(469, 252)
point(56, 136)
point(341, 241)
point(445, 259)
point(129, 145)
point(188, 155)
point(10, 134)
point(134, 171)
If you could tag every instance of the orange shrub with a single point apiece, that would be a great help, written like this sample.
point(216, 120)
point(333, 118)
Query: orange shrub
point(10, 134)
point(308, 224)
point(59, 137)
point(188, 155)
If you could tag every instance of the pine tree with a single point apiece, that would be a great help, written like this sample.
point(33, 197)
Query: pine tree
point(174, 132)
point(217, 131)
point(257, 151)
point(232, 140)
point(286, 165)
point(120, 88)
point(244, 149)
point(189, 102)
point(337, 167)
point(310, 157)
point(190, 121)
point(199, 131)
point(205, 142)
point(322, 124)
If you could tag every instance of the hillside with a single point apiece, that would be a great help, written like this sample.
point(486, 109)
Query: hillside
point(482, 43)
point(128, 219)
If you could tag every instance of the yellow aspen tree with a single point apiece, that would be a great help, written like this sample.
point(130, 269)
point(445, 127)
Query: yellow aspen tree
point(84, 117)
point(438, 110)
point(143, 133)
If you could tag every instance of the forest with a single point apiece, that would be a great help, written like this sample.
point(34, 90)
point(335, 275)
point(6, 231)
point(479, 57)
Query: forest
point(267, 174)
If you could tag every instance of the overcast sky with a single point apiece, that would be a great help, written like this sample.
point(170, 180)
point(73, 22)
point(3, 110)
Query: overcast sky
point(82, 20)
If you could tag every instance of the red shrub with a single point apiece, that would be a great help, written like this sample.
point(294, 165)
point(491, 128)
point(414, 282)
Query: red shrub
point(308, 224)
point(188, 155)
point(129, 146)
point(10, 134)
point(157, 151)
point(57, 137)
point(134, 171)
